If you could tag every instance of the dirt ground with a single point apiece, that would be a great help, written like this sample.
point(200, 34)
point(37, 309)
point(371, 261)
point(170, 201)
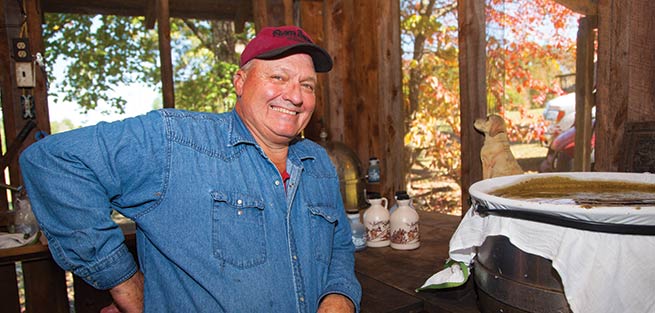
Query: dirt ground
point(432, 193)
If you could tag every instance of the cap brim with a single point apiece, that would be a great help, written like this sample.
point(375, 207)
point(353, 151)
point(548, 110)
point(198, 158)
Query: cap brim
point(322, 60)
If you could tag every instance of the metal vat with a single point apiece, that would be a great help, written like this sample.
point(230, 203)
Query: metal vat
point(349, 170)
point(508, 279)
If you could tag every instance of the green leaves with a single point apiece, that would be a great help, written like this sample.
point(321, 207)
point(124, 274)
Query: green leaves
point(100, 53)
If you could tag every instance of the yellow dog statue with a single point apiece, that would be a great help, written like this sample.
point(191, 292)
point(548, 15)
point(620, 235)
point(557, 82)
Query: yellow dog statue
point(497, 158)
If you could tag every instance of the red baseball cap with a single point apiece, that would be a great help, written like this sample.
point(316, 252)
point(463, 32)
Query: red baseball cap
point(277, 42)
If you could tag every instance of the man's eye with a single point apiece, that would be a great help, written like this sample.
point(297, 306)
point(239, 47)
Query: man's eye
point(276, 77)
point(309, 87)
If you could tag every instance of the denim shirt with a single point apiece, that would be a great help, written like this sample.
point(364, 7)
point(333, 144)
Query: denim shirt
point(216, 230)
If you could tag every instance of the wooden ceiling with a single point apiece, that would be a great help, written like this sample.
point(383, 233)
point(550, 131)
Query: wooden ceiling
point(199, 9)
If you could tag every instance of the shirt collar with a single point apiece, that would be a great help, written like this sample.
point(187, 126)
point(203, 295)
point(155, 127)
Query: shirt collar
point(300, 149)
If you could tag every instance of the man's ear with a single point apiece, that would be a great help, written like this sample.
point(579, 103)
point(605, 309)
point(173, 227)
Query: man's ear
point(238, 81)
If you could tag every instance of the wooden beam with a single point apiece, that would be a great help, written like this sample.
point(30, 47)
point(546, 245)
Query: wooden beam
point(151, 13)
point(584, 7)
point(472, 89)
point(164, 28)
point(197, 9)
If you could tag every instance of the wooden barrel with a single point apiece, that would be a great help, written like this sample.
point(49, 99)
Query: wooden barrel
point(510, 280)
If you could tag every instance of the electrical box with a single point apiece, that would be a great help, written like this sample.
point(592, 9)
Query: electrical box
point(25, 75)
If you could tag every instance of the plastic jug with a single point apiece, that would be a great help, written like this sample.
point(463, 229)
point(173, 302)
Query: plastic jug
point(376, 220)
point(404, 225)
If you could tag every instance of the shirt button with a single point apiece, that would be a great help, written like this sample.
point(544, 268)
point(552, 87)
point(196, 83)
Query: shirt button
point(301, 299)
point(277, 183)
point(239, 202)
point(295, 257)
point(239, 212)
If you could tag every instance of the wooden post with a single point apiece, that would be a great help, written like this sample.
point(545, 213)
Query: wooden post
point(164, 28)
point(613, 82)
point(472, 86)
point(24, 22)
point(626, 71)
point(584, 97)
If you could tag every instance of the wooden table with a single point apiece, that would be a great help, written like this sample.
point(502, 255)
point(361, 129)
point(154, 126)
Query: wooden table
point(389, 277)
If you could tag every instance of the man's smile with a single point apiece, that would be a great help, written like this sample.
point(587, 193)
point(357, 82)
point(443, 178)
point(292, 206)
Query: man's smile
point(283, 110)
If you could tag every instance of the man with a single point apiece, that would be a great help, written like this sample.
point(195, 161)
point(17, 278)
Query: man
point(234, 212)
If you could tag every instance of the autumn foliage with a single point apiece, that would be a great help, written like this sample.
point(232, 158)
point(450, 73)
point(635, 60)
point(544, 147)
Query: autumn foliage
point(529, 44)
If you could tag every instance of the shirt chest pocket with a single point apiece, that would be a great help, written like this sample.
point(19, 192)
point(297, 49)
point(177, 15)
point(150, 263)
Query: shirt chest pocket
point(238, 236)
point(323, 222)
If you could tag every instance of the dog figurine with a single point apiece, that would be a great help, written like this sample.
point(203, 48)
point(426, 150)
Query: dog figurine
point(497, 159)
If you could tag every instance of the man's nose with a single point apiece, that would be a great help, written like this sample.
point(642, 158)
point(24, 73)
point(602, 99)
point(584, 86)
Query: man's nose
point(293, 94)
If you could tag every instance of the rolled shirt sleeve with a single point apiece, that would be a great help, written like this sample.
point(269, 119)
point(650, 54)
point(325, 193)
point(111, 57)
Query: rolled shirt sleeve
point(75, 179)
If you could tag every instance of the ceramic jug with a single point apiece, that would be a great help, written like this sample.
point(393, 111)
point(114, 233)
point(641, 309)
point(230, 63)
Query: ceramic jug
point(376, 220)
point(404, 225)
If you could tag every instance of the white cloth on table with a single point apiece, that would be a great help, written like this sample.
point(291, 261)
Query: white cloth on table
point(9, 240)
point(600, 272)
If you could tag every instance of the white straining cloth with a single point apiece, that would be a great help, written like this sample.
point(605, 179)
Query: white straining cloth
point(600, 272)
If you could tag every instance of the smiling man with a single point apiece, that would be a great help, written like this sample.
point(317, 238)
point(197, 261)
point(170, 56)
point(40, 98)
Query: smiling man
point(234, 212)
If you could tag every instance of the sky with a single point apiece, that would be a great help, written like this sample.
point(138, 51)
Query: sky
point(139, 100)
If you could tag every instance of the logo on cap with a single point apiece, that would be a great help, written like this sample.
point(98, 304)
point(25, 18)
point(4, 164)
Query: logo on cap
point(292, 35)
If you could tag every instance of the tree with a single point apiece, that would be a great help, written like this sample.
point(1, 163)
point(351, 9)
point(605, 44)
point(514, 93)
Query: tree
point(527, 46)
point(102, 52)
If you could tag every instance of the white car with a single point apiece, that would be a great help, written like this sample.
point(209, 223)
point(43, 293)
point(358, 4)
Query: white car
point(560, 115)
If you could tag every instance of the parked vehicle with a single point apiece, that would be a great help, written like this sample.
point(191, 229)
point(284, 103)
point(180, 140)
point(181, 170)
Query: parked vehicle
point(560, 115)
point(561, 151)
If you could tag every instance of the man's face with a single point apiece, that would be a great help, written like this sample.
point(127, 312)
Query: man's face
point(277, 97)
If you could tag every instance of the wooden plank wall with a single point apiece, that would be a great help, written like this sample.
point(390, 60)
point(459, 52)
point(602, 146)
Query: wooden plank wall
point(310, 15)
point(272, 12)
point(364, 91)
point(360, 100)
point(626, 75)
